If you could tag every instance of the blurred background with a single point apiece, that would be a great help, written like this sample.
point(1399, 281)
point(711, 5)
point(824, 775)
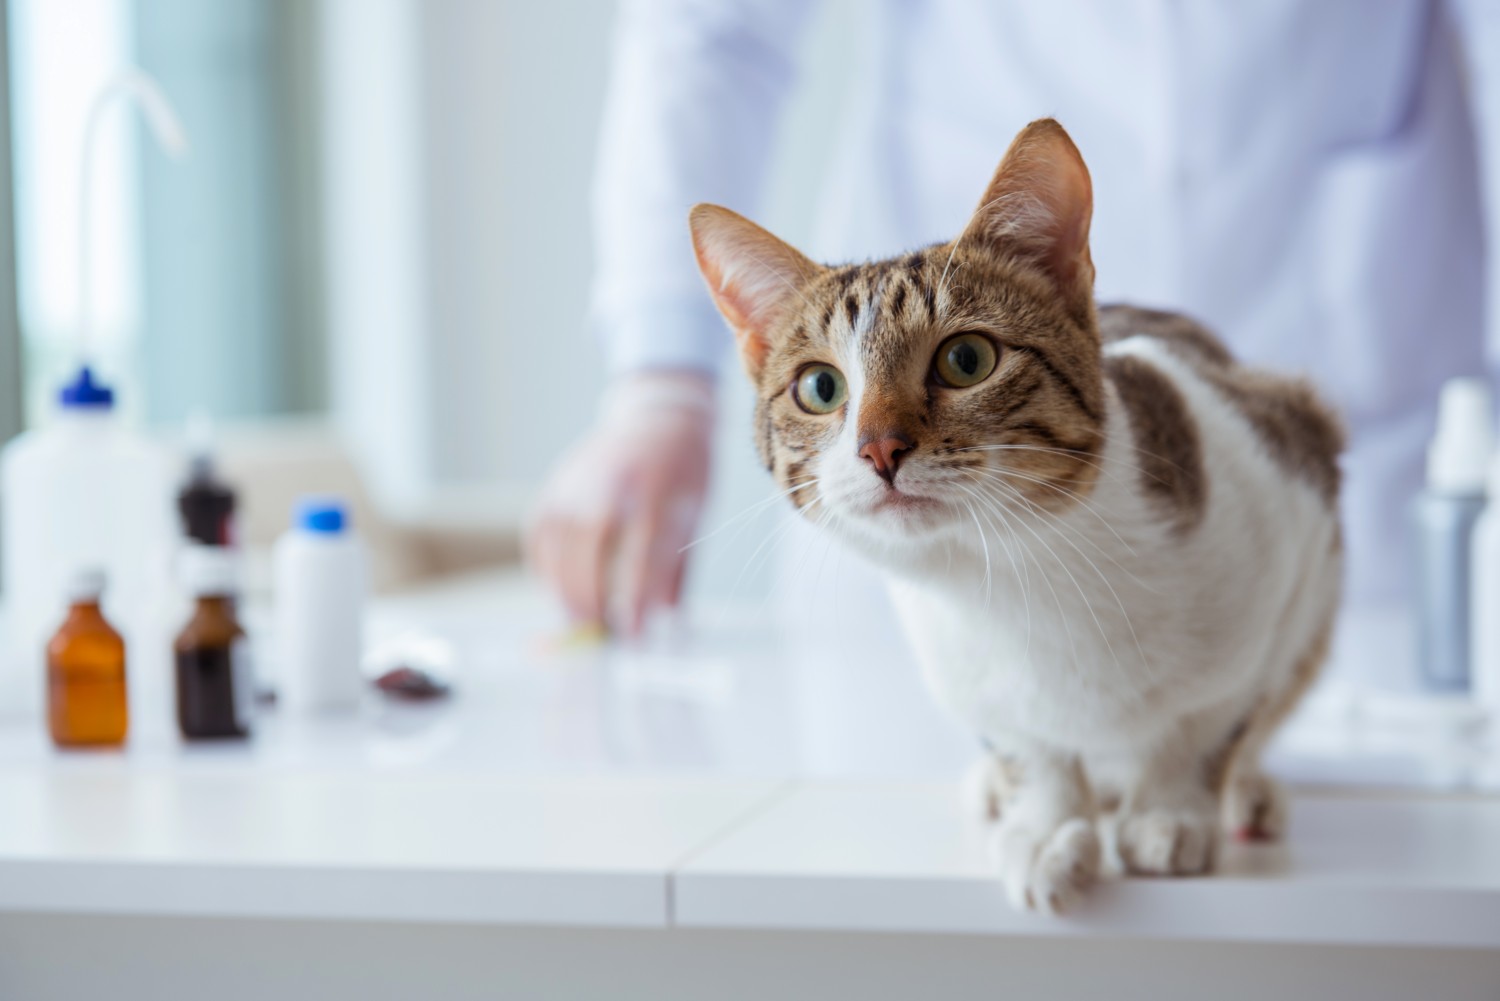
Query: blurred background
point(376, 251)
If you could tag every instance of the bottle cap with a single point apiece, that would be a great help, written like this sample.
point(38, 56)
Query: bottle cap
point(209, 571)
point(322, 515)
point(1459, 454)
point(83, 392)
point(86, 584)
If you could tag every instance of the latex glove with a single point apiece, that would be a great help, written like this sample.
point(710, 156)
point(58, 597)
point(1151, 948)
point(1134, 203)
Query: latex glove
point(621, 504)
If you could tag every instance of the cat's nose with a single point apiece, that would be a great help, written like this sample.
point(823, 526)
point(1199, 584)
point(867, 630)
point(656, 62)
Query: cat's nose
point(885, 453)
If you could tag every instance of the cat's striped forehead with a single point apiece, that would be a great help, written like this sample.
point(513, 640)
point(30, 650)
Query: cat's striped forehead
point(870, 311)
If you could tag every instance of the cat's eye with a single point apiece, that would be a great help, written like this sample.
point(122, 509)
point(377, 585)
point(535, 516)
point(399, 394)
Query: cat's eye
point(820, 389)
point(965, 360)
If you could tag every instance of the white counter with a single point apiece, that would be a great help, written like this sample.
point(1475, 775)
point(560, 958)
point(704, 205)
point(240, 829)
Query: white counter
point(894, 857)
point(733, 784)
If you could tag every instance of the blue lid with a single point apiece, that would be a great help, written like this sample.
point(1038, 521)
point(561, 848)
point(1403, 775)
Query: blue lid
point(324, 515)
point(83, 391)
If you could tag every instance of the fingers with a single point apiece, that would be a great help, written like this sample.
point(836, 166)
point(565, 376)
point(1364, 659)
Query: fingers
point(682, 524)
point(653, 557)
point(573, 553)
point(615, 517)
point(583, 567)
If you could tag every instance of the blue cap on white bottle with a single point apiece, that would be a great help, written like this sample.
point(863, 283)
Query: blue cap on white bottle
point(83, 391)
point(322, 515)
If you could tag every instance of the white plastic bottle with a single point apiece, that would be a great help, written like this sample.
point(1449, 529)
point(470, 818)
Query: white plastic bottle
point(82, 491)
point(1444, 517)
point(1485, 611)
point(321, 580)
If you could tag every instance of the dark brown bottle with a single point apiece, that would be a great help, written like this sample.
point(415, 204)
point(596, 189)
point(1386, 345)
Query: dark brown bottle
point(86, 691)
point(213, 680)
point(207, 506)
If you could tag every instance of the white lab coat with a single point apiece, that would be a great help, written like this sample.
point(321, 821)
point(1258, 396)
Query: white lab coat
point(1301, 174)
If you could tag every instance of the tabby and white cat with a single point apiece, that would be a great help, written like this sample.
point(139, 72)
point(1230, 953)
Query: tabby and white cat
point(1115, 550)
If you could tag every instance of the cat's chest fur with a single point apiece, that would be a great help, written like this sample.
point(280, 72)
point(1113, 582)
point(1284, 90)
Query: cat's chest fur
point(1093, 626)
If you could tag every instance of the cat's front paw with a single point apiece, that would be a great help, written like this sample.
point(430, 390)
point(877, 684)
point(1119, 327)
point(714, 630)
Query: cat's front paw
point(1047, 873)
point(1168, 842)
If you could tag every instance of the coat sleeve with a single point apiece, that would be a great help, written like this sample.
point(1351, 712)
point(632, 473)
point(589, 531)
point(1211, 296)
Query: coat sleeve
point(695, 88)
point(1478, 25)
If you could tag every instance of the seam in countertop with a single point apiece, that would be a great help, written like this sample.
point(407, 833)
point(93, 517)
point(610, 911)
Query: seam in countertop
point(772, 799)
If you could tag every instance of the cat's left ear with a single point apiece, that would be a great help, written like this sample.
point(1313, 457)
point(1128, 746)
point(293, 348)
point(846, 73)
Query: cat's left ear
point(756, 279)
point(1039, 204)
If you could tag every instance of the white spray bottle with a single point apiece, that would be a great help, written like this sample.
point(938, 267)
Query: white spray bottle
point(83, 490)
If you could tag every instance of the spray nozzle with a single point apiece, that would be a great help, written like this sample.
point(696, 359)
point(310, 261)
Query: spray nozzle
point(1460, 451)
point(83, 391)
point(166, 127)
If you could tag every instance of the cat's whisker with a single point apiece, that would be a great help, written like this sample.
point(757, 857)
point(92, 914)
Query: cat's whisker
point(762, 553)
point(1020, 570)
point(1071, 495)
point(1103, 578)
point(1082, 595)
point(754, 509)
point(772, 540)
point(822, 519)
point(1063, 527)
point(1046, 578)
point(979, 529)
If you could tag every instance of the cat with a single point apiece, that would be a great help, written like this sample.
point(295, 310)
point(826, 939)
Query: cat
point(1115, 551)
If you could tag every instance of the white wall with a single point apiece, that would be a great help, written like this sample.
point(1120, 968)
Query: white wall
point(378, 311)
point(459, 273)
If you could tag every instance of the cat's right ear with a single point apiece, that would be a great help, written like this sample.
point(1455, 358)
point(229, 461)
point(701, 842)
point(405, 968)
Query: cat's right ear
point(1039, 204)
point(756, 279)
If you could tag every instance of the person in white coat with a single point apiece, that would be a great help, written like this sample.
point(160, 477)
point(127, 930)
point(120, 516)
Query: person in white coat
point(1302, 175)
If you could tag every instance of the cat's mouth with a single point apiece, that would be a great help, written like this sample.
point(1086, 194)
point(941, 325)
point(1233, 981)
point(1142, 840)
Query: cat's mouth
point(899, 500)
point(910, 510)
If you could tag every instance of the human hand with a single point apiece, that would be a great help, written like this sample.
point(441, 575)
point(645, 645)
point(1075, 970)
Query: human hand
point(618, 508)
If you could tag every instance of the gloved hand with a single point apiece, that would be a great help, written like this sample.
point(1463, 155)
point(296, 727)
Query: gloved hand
point(621, 504)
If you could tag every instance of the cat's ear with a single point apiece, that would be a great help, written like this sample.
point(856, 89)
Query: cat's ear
point(1039, 204)
point(756, 279)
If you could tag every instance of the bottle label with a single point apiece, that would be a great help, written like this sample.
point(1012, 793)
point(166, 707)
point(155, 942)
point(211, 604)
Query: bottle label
point(242, 673)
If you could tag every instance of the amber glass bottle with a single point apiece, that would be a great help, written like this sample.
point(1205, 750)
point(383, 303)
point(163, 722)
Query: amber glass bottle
point(86, 697)
point(213, 680)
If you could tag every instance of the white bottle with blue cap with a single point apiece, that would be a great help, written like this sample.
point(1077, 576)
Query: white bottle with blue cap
point(82, 491)
point(321, 580)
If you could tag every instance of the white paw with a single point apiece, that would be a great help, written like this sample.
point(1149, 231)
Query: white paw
point(1163, 842)
point(985, 787)
point(1254, 807)
point(1050, 873)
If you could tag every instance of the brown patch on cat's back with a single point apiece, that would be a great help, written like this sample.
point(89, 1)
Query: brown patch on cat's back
point(1168, 449)
point(1302, 434)
point(1187, 338)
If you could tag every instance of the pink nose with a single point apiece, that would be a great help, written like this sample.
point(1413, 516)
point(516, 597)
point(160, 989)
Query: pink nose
point(885, 453)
